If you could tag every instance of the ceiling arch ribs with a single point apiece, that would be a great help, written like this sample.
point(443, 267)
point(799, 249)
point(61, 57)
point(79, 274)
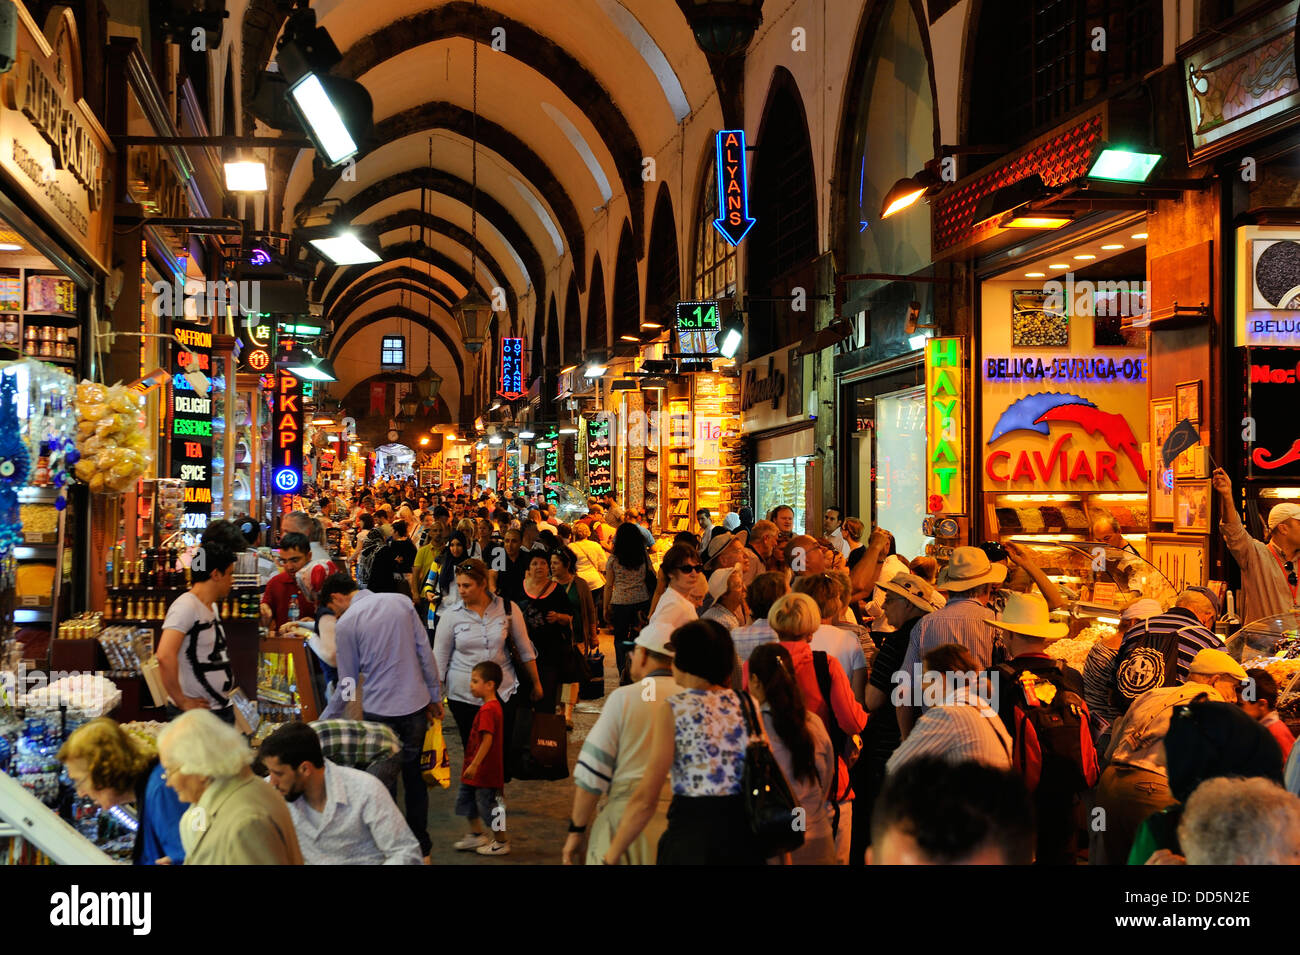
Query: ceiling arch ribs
point(410, 250)
point(497, 139)
point(401, 314)
point(546, 57)
point(443, 183)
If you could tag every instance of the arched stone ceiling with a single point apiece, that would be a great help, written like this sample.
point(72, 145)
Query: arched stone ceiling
point(529, 46)
point(442, 115)
point(361, 320)
point(402, 278)
point(407, 250)
point(445, 184)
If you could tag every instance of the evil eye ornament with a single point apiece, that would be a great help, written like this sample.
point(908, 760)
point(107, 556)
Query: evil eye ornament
point(7, 469)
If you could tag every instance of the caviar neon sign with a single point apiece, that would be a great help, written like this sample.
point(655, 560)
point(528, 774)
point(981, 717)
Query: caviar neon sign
point(945, 393)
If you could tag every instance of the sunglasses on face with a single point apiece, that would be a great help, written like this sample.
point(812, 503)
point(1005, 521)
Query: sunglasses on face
point(691, 568)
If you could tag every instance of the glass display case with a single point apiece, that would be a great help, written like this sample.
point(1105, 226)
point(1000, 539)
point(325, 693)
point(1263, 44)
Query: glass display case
point(1273, 644)
point(1099, 582)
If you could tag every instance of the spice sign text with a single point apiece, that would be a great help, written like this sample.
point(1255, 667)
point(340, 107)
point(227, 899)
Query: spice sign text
point(945, 430)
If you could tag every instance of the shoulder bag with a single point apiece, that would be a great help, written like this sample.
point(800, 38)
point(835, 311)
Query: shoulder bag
point(769, 803)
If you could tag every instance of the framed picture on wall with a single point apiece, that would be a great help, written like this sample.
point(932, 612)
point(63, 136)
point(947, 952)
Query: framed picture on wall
point(1161, 477)
point(1183, 560)
point(1035, 326)
point(1192, 507)
point(1187, 394)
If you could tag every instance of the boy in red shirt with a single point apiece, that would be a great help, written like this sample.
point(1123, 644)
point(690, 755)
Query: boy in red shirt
point(480, 796)
point(1263, 707)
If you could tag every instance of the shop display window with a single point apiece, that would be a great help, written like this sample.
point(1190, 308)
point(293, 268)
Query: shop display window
point(782, 482)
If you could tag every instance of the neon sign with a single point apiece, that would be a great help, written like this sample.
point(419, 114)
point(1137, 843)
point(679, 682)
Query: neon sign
point(258, 359)
point(512, 369)
point(733, 187)
point(1065, 369)
point(1037, 412)
point(945, 394)
point(191, 425)
point(287, 454)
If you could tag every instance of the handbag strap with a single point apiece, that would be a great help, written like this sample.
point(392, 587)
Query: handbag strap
point(751, 717)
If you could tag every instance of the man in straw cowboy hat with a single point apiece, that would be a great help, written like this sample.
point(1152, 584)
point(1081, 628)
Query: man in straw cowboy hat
point(1040, 700)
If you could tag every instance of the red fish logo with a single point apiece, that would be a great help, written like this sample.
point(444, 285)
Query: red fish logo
point(1034, 412)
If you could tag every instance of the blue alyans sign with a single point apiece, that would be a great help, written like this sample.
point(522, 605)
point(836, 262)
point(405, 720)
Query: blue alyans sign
point(733, 187)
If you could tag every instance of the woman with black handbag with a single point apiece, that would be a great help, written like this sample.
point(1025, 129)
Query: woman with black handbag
point(703, 740)
point(550, 628)
point(582, 607)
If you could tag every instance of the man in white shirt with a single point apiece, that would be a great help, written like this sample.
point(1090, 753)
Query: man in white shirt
point(617, 753)
point(833, 529)
point(343, 816)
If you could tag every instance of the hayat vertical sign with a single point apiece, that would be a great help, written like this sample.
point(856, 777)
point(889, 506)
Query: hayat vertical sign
point(191, 423)
point(286, 451)
point(944, 432)
point(733, 187)
point(600, 461)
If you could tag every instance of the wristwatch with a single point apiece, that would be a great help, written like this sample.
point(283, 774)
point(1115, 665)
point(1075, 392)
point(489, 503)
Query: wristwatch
point(573, 827)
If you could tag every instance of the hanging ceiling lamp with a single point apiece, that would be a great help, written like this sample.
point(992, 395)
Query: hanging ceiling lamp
point(473, 312)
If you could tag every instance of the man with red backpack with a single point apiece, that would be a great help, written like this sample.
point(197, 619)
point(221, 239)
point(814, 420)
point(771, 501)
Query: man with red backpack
point(1040, 700)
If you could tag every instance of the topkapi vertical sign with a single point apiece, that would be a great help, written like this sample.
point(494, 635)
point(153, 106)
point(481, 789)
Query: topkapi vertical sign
point(733, 187)
point(286, 455)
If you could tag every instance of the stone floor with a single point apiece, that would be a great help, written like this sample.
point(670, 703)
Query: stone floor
point(537, 812)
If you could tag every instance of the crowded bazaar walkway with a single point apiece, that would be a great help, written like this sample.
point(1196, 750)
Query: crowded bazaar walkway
point(537, 810)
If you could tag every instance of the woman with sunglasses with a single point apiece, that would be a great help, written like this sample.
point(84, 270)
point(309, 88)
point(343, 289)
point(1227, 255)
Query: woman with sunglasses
point(550, 627)
point(679, 575)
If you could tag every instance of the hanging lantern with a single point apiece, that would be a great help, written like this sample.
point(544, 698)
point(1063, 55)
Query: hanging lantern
point(473, 312)
point(427, 384)
point(409, 404)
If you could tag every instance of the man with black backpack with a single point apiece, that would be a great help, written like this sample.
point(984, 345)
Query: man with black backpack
point(1040, 700)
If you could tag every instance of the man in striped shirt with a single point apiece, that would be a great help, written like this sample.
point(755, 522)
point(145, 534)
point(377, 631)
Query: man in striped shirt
point(617, 753)
point(1158, 651)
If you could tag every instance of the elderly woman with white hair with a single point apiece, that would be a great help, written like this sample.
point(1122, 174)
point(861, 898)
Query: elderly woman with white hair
point(234, 818)
point(826, 692)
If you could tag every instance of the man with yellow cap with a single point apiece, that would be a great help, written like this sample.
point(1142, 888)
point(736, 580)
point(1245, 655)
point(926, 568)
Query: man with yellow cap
point(1268, 570)
point(1136, 782)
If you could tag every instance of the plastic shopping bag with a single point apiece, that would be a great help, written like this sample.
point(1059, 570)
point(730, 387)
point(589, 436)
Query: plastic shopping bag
point(435, 764)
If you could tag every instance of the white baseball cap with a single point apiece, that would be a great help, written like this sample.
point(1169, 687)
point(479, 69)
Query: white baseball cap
point(656, 638)
point(1282, 512)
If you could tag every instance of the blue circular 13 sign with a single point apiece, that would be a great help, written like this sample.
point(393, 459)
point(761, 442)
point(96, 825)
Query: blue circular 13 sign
point(287, 479)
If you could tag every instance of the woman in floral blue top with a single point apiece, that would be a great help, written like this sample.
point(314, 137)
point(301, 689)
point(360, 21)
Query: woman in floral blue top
point(700, 739)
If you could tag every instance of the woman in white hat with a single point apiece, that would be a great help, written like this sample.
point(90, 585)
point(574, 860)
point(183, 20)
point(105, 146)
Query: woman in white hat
point(727, 588)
